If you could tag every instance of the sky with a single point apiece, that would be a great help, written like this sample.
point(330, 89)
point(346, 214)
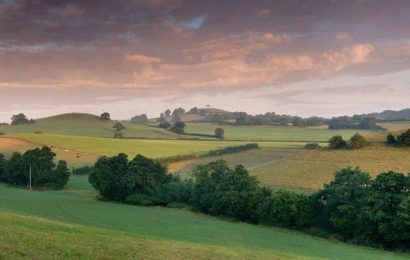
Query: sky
point(127, 57)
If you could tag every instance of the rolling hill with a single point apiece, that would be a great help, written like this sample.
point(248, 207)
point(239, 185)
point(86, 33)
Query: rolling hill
point(73, 223)
point(88, 125)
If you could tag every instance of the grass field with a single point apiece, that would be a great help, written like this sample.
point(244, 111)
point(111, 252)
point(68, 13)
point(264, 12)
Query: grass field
point(273, 133)
point(88, 125)
point(94, 228)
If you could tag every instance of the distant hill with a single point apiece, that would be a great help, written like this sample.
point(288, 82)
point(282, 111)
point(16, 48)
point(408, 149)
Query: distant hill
point(391, 115)
point(81, 124)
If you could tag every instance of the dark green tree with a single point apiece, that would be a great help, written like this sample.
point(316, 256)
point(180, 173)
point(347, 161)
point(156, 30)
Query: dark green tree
point(337, 142)
point(178, 127)
point(105, 116)
point(219, 133)
point(20, 119)
point(391, 139)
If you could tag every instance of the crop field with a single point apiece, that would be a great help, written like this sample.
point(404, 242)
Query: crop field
point(91, 228)
point(88, 125)
point(311, 170)
point(303, 170)
point(273, 133)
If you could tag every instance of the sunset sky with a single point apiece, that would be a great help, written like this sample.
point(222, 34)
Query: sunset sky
point(304, 57)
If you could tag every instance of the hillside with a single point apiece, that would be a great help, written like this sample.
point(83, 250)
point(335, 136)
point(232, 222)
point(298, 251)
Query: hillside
point(86, 227)
point(391, 115)
point(87, 125)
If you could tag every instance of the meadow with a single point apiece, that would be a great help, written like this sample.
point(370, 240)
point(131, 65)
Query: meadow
point(273, 133)
point(75, 219)
point(88, 125)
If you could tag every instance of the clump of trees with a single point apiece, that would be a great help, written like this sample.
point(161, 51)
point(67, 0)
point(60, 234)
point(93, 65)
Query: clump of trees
point(178, 127)
point(357, 141)
point(36, 168)
point(402, 139)
point(355, 122)
point(312, 146)
point(353, 207)
point(219, 133)
point(139, 119)
point(105, 116)
point(21, 119)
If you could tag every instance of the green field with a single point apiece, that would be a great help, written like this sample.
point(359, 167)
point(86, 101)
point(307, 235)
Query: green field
point(88, 125)
point(93, 228)
point(273, 133)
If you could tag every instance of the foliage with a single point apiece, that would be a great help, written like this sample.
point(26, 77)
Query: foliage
point(105, 116)
point(165, 125)
point(117, 179)
point(140, 119)
point(337, 142)
point(44, 173)
point(355, 122)
point(178, 127)
point(357, 141)
point(404, 138)
point(21, 119)
point(219, 133)
point(391, 139)
point(118, 127)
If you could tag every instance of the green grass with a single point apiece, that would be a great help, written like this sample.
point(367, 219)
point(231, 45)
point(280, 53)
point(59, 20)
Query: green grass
point(157, 228)
point(273, 133)
point(20, 239)
point(88, 125)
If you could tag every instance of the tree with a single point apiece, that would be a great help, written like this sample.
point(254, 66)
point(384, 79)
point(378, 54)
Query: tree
point(2, 167)
point(179, 128)
point(105, 116)
point(357, 141)
point(178, 111)
point(219, 133)
point(38, 162)
point(338, 207)
point(391, 139)
point(119, 180)
point(176, 118)
point(140, 119)
point(388, 210)
point(118, 127)
point(165, 125)
point(337, 142)
point(167, 113)
point(404, 138)
point(20, 119)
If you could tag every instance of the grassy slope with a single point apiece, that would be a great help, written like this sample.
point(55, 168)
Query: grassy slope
point(272, 133)
point(59, 240)
point(77, 205)
point(87, 125)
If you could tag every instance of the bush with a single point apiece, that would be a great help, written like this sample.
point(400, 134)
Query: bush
point(312, 146)
point(357, 142)
point(2, 133)
point(219, 133)
point(337, 142)
point(391, 139)
point(404, 138)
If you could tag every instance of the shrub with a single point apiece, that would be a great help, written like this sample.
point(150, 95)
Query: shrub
point(2, 133)
point(219, 133)
point(404, 138)
point(337, 142)
point(391, 139)
point(357, 141)
point(312, 146)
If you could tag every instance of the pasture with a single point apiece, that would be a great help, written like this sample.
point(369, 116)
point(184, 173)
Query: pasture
point(88, 125)
point(78, 223)
point(273, 133)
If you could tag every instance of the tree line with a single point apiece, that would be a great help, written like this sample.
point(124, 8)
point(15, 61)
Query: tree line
point(34, 168)
point(353, 207)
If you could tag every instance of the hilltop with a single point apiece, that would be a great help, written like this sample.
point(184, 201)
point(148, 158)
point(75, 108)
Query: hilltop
point(80, 124)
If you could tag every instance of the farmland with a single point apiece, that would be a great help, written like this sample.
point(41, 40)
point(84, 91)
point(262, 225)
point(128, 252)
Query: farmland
point(151, 232)
point(303, 170)
point(272, 133)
